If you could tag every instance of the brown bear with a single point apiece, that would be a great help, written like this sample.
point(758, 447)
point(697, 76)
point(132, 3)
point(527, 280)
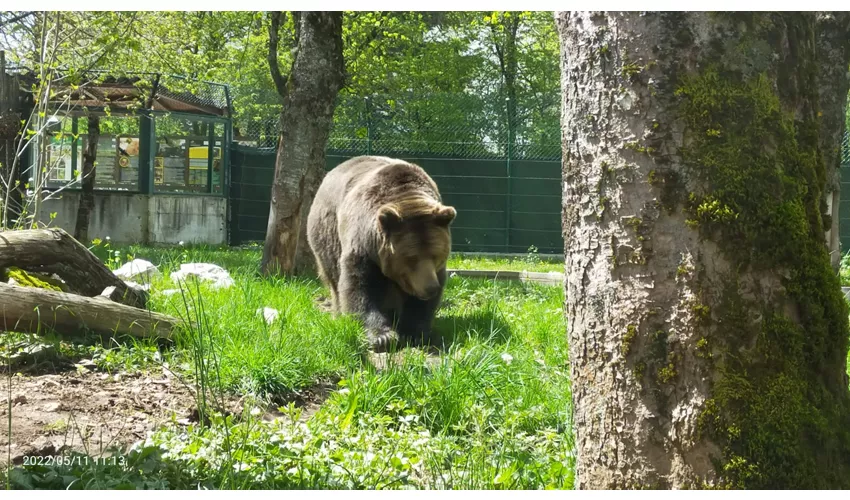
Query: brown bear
point(381, 238)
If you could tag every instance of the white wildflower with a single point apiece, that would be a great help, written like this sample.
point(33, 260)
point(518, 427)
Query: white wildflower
point(507, 358)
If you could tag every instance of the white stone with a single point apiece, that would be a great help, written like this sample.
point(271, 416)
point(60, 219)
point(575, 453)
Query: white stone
point(269, 314)
point(137, 270)
point(170, 292)
point(218, 277)
point(136, 286)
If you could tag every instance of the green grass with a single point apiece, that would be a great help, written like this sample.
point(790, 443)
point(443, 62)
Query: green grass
point(530, 262)
point(492, 410)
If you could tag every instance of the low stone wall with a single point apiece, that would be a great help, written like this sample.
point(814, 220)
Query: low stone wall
point(146, 219)
point(550, 279)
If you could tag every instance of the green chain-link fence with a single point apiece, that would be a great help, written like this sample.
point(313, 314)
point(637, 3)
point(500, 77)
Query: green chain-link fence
point(447, 125)
point(844, 205)
point(502, 174)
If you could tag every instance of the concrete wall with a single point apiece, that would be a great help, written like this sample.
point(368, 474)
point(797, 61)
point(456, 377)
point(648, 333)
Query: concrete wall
point(137, 218)
point(192, 219)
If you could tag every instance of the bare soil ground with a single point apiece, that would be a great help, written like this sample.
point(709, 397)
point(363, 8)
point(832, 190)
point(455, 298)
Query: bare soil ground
point(90, 412)
point(99, 414)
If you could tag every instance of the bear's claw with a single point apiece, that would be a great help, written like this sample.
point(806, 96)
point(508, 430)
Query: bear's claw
point(382, 341)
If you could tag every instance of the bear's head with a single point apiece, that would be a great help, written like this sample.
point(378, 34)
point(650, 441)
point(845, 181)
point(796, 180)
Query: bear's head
point(415, 244)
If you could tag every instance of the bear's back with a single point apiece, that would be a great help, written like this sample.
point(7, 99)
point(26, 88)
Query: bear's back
point(372, 181)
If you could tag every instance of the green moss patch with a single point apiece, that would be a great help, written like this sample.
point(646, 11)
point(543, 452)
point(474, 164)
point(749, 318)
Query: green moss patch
point(782, 421)
point(23, 278)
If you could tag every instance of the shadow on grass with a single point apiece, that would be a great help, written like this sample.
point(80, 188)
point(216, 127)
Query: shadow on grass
point(140, 469)
point(51, 353)
point(483, 325)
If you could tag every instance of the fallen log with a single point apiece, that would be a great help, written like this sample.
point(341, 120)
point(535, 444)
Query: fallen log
point(34, 310)
point(53, 251)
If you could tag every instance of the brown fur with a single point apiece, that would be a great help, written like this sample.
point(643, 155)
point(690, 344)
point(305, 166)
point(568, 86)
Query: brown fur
point(381, 238)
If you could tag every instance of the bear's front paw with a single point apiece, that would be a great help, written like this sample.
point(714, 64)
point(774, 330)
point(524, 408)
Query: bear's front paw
point(381, 341)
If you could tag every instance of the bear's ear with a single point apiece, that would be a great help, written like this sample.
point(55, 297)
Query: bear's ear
point(444, 215)
point(389, 219)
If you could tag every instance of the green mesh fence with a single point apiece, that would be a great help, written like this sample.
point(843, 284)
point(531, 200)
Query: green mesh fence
point(844, 205)
point(497, 163)
point(845, 149)
point(197, 92)
point(441, 125)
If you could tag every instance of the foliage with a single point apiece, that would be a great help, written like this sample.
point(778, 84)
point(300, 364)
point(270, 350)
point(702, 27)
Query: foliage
point(367, 452)
point(403, 56)
point(490, 411)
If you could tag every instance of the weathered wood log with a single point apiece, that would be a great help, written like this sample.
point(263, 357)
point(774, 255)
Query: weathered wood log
point(35, 310)
point(55, 251)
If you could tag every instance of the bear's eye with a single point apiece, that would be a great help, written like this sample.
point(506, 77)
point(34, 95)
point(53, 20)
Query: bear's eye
point(410, 261)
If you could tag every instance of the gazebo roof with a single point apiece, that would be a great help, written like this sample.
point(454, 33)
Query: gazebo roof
point(154, 92)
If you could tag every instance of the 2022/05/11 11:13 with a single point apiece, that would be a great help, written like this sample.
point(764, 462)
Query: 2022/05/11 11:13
point(69, 460)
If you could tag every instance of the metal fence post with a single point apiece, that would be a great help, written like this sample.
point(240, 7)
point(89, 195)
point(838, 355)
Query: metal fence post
point(508, 194)
point(75, 140)
point(210, 153)
point(147, 151)
point(368, 125)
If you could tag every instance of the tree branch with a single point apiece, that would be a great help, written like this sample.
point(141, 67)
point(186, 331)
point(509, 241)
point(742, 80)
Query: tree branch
point(17, 18)
point(274, 38)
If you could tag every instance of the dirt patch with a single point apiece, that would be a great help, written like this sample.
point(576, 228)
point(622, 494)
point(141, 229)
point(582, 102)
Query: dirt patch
point(90, 412)
point(309, 400)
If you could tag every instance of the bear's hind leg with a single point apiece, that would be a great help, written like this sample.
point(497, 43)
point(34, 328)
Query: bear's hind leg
point(331, 305)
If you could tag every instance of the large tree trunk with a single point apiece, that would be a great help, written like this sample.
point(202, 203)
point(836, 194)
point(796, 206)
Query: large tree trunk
point(708, 334)
point(81, 231)
point(309, 97)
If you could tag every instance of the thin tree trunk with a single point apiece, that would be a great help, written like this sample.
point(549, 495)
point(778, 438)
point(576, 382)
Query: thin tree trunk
point(506, 53)
point(708, 335)
point(309, 97)
point(81, 231)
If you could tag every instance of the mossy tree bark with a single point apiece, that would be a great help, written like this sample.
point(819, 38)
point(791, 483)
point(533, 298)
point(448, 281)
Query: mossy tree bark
point(309, 97)
point(81, 229)
point(708, 334)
